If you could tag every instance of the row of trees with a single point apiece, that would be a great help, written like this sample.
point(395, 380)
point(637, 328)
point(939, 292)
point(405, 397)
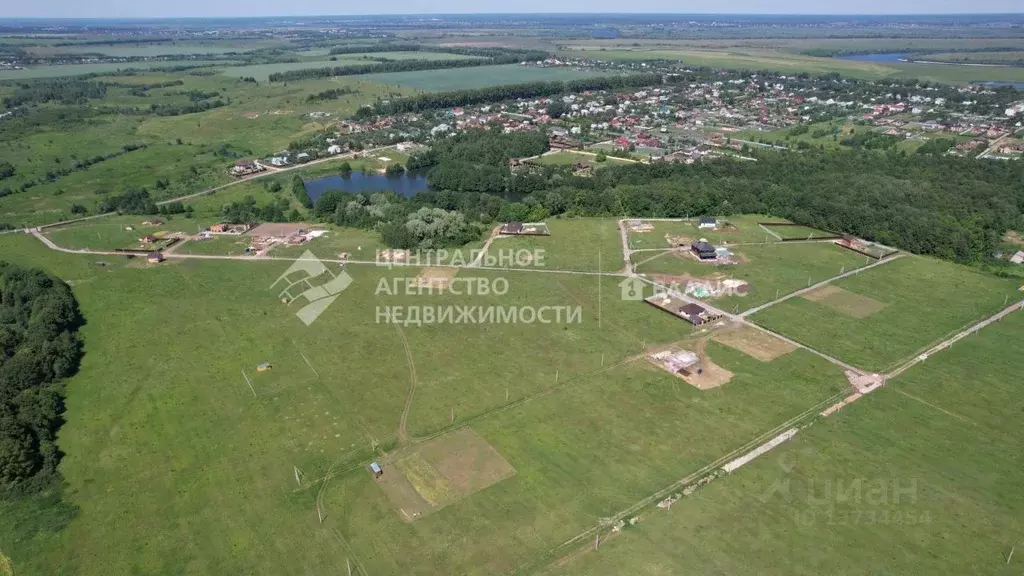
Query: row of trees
point(434, 100)
point(39, 347)
point(387, 66)
point(950, 207)
point(332, 94)
point(67, 91)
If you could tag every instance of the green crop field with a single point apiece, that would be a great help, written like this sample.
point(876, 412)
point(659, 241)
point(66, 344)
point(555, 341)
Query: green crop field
point(586, 244)
point(475, 77)
point(772, 270)
point(923, 300)
point(917, 478)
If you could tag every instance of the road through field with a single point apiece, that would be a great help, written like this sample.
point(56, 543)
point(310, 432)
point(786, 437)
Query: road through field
point(814, 287)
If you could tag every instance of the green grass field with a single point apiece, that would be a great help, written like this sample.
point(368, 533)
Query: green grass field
point(218, 460)
point(566, 157)
point(768, 58)
point(772, 270)
point(917, 478)
point(476, 77)
point(796, 232)
point(924, 300)
point(98, 67)
point(585, 244)
point(744, 229)
point(112, 231)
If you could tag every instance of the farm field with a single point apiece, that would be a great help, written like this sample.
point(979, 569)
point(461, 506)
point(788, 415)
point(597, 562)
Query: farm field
point(95, 68)
point(313, 409)
point(909, 304)
point(744, 229)
point(475, 77)
point(585, 244)
point(153, 49)
point(738, 57)
point(554, 494)
point(918, 477)
point(771, 270)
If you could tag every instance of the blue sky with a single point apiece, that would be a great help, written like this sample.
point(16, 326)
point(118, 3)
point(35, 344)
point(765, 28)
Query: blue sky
point(186, 8)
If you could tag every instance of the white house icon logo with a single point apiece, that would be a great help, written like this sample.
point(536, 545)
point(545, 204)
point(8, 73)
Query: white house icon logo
point(319, 297)
point(632, 289)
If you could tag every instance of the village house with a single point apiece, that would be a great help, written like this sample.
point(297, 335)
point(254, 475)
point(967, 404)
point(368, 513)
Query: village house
point(246, 167)
point(703, 250)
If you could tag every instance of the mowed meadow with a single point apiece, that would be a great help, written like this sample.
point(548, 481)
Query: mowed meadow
point(176, 463)
point(920, 477)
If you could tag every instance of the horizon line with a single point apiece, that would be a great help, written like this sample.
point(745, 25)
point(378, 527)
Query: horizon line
point(437, 14)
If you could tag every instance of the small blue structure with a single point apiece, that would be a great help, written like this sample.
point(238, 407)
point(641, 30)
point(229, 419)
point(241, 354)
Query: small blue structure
point(376, 469)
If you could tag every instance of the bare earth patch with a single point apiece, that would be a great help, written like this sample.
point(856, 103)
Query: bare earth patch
point(440, 472)
point(755, 343)
point(251, 115)
point(436, 278)
point(1014, 237)
point(844, 301)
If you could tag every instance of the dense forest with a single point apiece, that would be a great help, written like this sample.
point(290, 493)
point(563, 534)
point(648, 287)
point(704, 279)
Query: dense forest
point(953, 208)
point(388, 66)
point(39, 347)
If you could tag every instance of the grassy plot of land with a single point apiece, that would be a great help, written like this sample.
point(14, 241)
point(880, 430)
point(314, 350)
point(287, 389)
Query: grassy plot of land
point(161, 401)
point(98, 67)
point(585, 244)
point(357, 243)
point(475, 77)
point(217, 246)
point(779, 61)
point(924, 300)
point(581, 453)
point(566, 157)
point(736, 229)
point(113, 232)
point(796, 232)
point(919, 477)
point(772, 270)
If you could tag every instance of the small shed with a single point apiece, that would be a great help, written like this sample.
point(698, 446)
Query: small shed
point(263, 367)
point(155, 258)
point(708, 222)
point(376, 469)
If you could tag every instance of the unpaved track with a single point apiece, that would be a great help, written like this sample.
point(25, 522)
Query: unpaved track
point(827, 281)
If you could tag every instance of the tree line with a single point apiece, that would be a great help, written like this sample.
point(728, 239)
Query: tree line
point(39, 347)
point(388, 66)
point(949, 207)
point(469, 97)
